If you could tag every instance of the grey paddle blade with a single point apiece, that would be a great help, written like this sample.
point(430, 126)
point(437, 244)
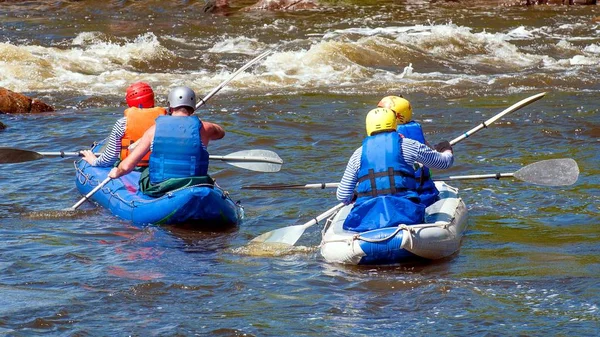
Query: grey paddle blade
point(551, 172)
point(255, 160)
point(256, 166)
point(11, 155)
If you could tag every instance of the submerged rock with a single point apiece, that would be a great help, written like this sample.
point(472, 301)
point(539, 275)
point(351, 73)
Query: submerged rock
point(222, 6)
point(282, 5)
point(12, 102)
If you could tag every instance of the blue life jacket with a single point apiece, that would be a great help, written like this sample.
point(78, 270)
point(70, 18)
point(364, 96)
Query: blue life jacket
point(386, 187)
point(383, 170)
point(177, 149)
point(425, 186)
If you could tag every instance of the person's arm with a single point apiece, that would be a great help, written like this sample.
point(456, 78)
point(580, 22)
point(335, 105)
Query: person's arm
point(213, 131)
point(345, 190)
point(112, 152)
point(415, 151)
point(129, 163)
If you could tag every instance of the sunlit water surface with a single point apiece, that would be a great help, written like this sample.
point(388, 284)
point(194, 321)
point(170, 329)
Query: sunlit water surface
point(529, 263)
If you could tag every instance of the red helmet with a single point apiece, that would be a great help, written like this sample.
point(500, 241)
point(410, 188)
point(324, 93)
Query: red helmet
point(140, 95)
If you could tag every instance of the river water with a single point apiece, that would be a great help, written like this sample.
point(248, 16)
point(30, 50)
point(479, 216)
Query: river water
point(529, 263)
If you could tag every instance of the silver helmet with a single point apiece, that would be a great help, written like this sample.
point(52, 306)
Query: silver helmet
point(182, 96)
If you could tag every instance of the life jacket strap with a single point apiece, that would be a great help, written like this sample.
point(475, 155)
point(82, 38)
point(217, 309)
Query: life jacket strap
point(391, 175)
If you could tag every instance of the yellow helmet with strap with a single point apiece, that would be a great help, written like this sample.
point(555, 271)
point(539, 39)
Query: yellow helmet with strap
point(379, 120)
point(399, 105)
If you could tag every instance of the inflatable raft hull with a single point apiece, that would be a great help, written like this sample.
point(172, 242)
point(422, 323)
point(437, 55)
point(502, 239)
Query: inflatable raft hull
point(201, 206)
point(439, 237)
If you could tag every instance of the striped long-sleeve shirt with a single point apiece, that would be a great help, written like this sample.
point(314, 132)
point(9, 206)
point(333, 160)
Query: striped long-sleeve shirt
point(112, 150)
point(412, 151)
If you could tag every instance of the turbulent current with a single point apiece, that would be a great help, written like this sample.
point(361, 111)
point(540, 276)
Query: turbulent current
point(529, 262)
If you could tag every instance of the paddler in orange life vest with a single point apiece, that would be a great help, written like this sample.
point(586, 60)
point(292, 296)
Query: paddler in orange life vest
point(128, 129)
point(408, 128)
point(382, 172)
point(178, 144)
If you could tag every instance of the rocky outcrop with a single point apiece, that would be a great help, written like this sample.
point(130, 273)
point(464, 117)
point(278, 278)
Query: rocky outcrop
point(13, 103)
point(223, 6)
point(282, 5)
point(518, 2)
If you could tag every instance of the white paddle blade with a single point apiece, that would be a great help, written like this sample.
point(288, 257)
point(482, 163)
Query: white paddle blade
point(288, 235)
point(551, 172)
point(255, 160)
point(258, 167)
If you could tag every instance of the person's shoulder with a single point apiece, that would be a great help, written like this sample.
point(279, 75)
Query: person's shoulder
point(410, 142)
point(211, 125)
point(151, 130)
point(121, 123)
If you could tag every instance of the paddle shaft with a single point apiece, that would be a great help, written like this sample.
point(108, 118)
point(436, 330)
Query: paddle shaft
point(479, 176)
point(63, 154)
point(220, 86)
point(335, 185)
point(488, 122)
point(223, 158)
point(324, 215)
point(89, 195)
point(550, 172)
point(290, 235)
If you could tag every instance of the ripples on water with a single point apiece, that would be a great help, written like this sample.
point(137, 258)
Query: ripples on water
point(529, 263)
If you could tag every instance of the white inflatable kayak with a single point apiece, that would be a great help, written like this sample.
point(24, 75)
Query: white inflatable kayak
point(439, 237)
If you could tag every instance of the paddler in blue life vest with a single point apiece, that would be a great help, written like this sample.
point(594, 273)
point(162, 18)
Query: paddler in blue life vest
point(382, 172)
point(178, 144)
point(409, 128)
point(138, 117)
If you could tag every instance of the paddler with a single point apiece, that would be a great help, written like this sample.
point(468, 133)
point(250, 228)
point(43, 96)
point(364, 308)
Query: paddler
point(138, 117)
point(382, 172)
point(409, 128)
point(178, 144)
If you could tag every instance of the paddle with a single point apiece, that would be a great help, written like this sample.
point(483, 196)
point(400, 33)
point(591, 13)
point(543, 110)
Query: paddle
point(289, 235)
point(281, 235)
point(506, 111)
point(483, 125)
point(551, 172)
point(244, 67)
point(255, 160)
point(89, 195)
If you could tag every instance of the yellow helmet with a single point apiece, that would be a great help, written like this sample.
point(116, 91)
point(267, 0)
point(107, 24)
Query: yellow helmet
point(399, 105)
point(381, 119)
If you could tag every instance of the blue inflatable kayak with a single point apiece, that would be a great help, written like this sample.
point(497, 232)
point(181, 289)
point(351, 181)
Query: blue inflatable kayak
point(203, 206)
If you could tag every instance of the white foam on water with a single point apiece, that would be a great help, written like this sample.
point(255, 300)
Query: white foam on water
point(238, 45)
point(91, 63)
point(356, 58)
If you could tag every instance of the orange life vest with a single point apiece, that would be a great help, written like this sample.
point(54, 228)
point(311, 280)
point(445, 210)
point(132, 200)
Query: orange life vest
point(138, 121)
